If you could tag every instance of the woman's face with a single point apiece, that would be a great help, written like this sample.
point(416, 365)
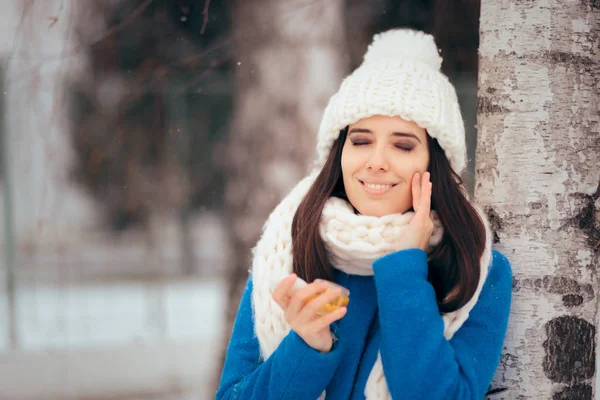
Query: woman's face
point(379, 158)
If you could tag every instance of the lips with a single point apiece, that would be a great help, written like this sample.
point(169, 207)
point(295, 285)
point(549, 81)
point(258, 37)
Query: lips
point(376, 188)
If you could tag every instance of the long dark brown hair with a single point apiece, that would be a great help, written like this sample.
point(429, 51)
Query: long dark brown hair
point(454, 268)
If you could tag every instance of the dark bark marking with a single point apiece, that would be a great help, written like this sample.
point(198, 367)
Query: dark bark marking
point(572, 300)
point(509, 360)
point(571, 59)
point(558, 58)
point(525, 3)
point(557, 285)
point(495, 223)
point(536, 205)
point(487, 107)
point(588, 218)
point(577, 392)
point(496, 391)
point(595, 4)
point(570, 350)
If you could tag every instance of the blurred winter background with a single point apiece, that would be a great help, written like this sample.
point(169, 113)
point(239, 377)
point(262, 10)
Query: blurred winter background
point(143, 144)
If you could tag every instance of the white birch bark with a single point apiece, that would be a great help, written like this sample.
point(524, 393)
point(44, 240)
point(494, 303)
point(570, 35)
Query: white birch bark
point(537, 175)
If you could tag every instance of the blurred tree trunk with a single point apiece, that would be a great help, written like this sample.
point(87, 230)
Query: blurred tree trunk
point(143, 117)
point(289, 60)
point(538, 174)
point(47, 210)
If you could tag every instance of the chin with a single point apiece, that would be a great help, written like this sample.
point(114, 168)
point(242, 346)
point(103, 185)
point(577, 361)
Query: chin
point(379, 211)
point(374, 211)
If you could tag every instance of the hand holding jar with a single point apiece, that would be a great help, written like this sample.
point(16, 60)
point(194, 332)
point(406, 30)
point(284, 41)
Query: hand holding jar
point(311, 308)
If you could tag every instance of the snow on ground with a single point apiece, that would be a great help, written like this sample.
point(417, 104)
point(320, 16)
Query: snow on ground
point(54, 317)
point(115, 318)
point(113, 340)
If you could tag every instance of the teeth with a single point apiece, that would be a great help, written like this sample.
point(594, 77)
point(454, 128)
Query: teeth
point(377, 187)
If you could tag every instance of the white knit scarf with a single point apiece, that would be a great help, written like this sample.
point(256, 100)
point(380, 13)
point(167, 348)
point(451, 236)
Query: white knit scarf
point(354, 242)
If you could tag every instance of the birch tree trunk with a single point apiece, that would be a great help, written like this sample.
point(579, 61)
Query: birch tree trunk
point(289, 60)
point(537, 175)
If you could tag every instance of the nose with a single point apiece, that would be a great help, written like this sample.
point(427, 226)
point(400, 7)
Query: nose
point(377, 160)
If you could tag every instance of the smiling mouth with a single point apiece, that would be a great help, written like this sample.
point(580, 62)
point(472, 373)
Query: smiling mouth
point(376, 188)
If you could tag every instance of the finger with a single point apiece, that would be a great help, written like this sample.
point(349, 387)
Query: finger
point(416, 190)
point(328, 319)
point(280, 294)
point(425, 201)
point(283, 302)
point(300, 297)
point(310, 309)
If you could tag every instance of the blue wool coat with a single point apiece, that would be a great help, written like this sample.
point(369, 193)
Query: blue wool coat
point(394, 312)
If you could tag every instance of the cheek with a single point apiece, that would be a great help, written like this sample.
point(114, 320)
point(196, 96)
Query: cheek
point(407, 166)
point(350, 162)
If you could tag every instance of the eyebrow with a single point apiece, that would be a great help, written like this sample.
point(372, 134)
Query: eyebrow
point(398, 134)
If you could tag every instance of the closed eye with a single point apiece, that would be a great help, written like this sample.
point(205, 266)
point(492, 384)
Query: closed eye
point(404, 148)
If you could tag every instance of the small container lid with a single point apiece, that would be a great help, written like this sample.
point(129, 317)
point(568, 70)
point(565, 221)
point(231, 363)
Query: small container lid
point(333, 285)
point(300, 283)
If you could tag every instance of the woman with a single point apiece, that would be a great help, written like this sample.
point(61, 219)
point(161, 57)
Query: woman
point(384, 215)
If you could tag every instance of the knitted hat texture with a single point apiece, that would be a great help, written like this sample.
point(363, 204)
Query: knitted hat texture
point(400, 76)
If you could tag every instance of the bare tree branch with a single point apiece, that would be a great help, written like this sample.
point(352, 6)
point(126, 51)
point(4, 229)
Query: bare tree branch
point(205, 13)
point(134, 14)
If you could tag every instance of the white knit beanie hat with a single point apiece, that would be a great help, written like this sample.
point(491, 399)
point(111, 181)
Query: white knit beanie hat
point(400, 76)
